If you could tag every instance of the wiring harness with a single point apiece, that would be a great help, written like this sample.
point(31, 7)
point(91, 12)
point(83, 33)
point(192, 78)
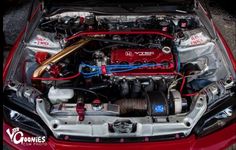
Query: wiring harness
point(89, 71)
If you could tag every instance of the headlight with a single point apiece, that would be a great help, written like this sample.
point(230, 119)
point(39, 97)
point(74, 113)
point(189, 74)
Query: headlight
point(217, 118)
point(25, 123)
point(19, 104)
point(21, 95)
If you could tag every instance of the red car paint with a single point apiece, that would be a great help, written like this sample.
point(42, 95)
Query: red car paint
point(217, 140)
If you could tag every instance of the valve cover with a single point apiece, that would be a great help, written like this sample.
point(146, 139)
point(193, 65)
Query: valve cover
point(141, 56)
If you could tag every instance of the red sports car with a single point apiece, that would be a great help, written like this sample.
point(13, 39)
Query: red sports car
point(119, 75)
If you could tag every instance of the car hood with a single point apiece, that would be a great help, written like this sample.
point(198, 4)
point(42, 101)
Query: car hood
point(125, 5)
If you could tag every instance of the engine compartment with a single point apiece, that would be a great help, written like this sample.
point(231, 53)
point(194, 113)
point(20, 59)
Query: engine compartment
point(107, 75)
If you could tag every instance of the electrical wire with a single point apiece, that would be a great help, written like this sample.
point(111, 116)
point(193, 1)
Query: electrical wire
point(175, 82)
point(114, 68)
point(189, 94)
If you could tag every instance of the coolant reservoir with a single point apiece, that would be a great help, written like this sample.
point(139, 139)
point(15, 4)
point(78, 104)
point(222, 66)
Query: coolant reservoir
point(56, 95)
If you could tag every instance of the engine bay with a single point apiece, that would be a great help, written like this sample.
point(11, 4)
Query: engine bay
point(120, 75)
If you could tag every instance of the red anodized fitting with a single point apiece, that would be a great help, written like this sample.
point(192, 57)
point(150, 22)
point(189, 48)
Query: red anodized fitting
point(80, 110)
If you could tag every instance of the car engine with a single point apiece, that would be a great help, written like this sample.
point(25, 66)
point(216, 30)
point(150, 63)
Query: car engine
point(96, 75)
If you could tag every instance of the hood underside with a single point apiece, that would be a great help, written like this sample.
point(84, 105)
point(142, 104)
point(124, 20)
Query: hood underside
point(125, 6)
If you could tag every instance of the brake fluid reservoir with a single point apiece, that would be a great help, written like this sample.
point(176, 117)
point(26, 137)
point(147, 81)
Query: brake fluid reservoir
point(192, 44)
